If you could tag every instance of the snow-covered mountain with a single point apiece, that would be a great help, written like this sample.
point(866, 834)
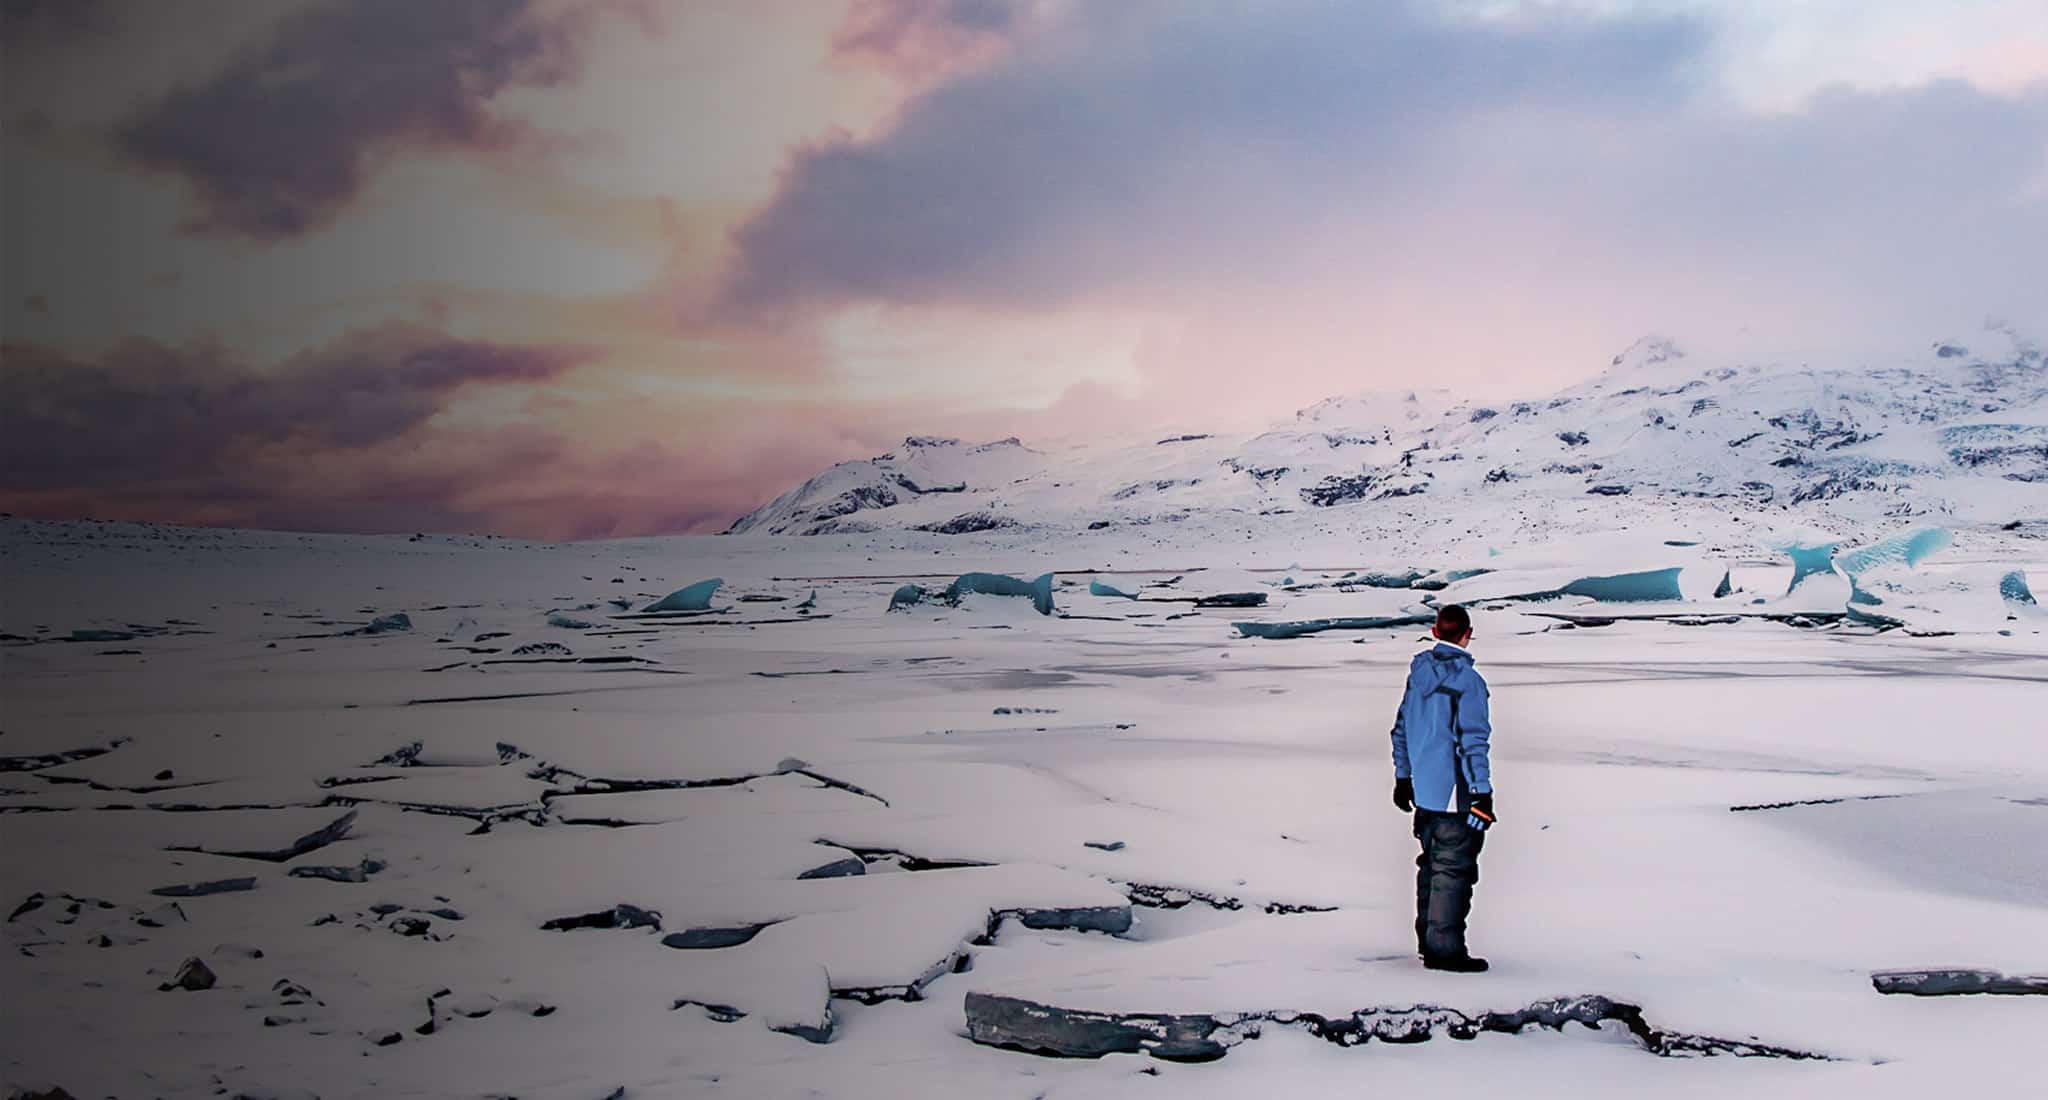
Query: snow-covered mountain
point(1955, 432)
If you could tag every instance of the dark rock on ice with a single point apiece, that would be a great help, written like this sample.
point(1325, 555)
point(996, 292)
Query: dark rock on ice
point(968, 523)
point(706, 938)
point(621, 915)
point(192, 976)
point(361, 872)
point(1950, 983)
point(1233, 599)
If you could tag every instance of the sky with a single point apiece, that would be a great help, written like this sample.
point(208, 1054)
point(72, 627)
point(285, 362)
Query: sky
point(591, 268)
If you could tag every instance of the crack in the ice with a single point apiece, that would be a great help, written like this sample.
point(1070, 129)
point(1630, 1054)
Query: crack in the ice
point(1029, 1026)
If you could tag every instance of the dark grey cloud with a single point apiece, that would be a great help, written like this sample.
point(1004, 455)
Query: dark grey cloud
point(1175, 144)
point(40, 22)
point(1142, 125)
point(195, 425)
point(281, 138)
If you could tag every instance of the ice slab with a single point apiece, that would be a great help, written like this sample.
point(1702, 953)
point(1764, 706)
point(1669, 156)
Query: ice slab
point(694, 597)
point(1909, 549)
point(1305, 627)
point(1039, 591)
point(1810, 558)
point(2013, 589)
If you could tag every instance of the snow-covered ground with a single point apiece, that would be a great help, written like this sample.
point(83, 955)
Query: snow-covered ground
point(835, 822)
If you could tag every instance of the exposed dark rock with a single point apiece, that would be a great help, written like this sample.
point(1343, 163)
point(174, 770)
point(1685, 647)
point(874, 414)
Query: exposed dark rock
point(1341, 489)
point(361, 872)
point(1233, 599)
point(621, 915)
point(1019, 1024)
point(1181, 439)
point(1608, 490)
point(1951, 983)
point(1107, 846)
point(40, 1091)
point(1572, 439)
point(39, 761)
point(968, 523)
point(724, 1014)
point(202, 889)
point(1173, 897)
point(192, 976)
point(1113, 919)
point(1159, 486)
point(542, 649)
point(711, 937)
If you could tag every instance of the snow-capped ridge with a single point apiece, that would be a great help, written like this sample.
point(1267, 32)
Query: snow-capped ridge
point(1952, 436)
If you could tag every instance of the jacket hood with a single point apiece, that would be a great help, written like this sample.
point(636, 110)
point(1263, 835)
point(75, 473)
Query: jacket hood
point(1437, 664)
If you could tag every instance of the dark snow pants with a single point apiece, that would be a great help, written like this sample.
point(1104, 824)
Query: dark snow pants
point(1445, 873)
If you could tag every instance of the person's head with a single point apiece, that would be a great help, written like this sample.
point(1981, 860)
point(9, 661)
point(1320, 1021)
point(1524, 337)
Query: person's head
point(1453, 625)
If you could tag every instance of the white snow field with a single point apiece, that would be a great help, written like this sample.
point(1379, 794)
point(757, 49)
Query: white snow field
point(529, 840)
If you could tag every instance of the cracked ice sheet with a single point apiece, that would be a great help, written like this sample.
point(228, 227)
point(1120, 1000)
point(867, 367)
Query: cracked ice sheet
point(772, 794)
point(999, 813)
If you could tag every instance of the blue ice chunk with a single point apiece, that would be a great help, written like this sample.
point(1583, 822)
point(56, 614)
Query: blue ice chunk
point(696, 597)
point(1725, 588)
point(907, 597)
point(1286, 581)
point(1861, 595)
point(1097, 588)
point(1648, 585)
point(1432, 582)
point(2013, 586)
point(996, 584)
point(1910, 549)
point(1379, 579)
point(1317, 626)
point(810, 602)
point(1809, 560)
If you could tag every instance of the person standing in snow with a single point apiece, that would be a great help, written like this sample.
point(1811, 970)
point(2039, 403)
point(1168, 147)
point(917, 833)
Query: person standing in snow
point(1441, 774)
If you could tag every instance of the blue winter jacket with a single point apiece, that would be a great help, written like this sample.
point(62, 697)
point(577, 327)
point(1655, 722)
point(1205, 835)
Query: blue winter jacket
point(1441, 730)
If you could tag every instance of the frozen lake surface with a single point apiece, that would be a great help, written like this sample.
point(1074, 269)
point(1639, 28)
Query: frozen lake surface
point(770, 849)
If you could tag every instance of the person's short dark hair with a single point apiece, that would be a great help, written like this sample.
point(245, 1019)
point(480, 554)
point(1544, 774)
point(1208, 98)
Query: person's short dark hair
point(1452, 621)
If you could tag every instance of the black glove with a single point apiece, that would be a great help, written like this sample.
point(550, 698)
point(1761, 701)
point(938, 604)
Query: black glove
point(1484, 803)
point(1404, 795)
